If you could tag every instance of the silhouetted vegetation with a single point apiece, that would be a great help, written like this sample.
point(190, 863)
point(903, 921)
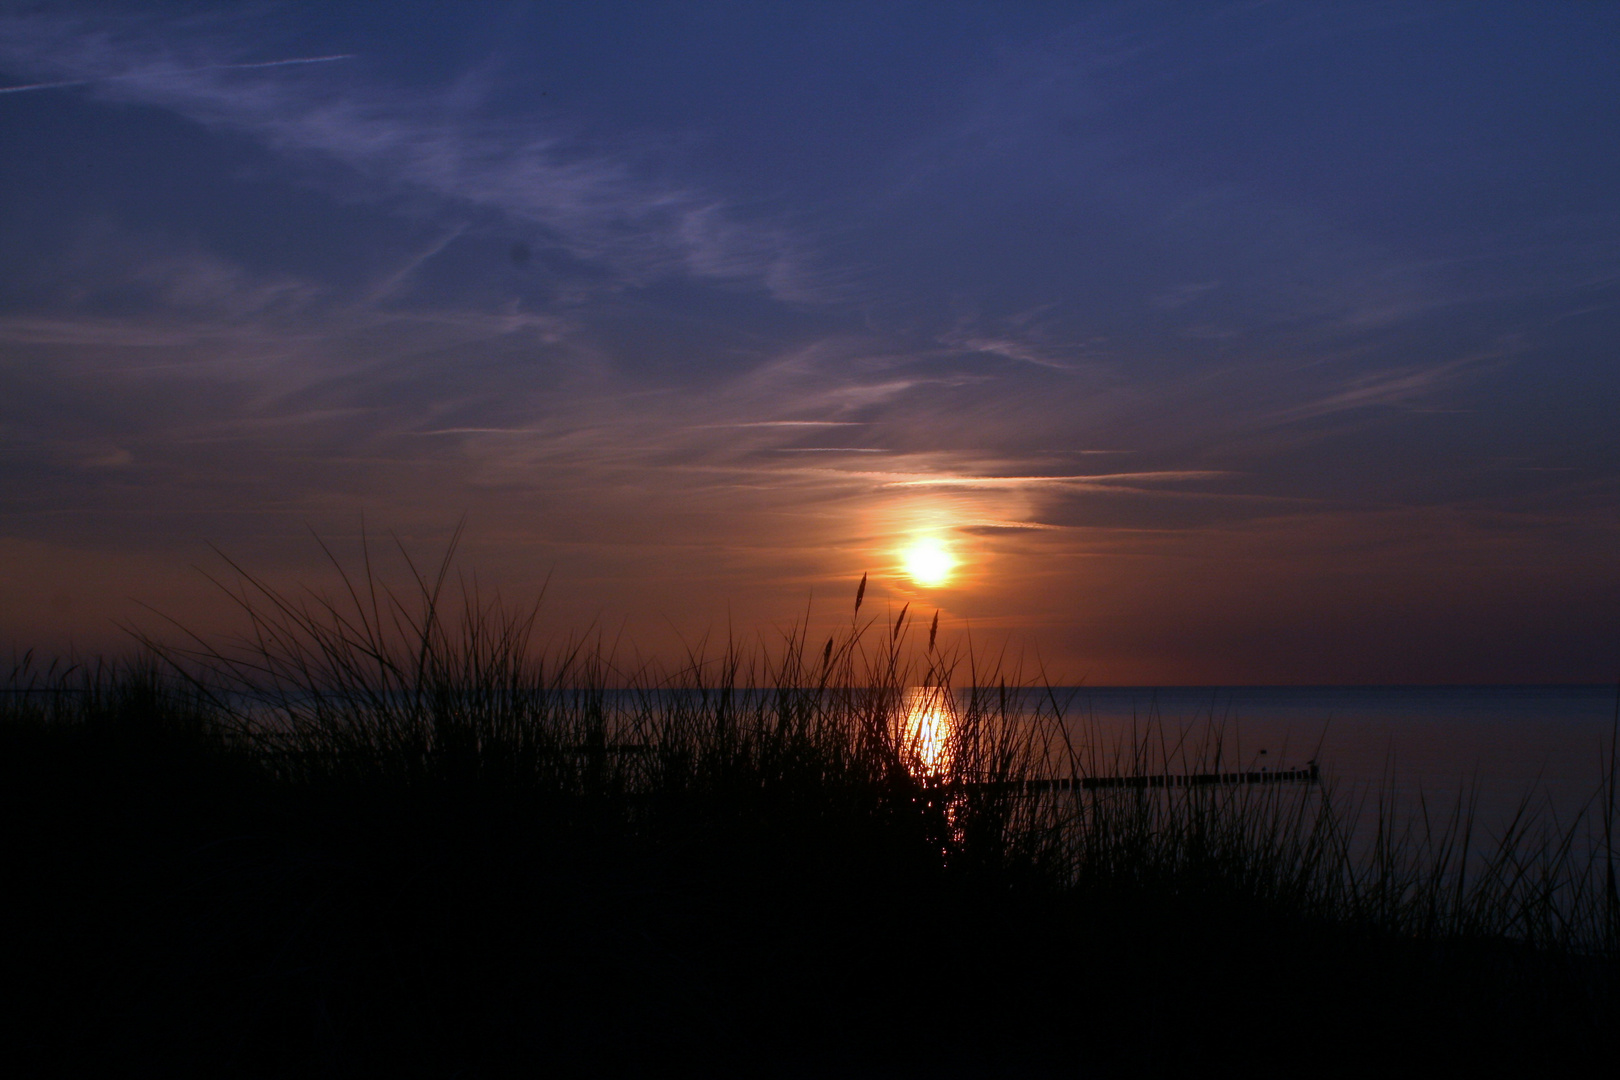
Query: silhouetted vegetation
point(389, 832)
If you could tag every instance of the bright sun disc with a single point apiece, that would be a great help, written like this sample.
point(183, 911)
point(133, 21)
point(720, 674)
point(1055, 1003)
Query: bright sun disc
point(928, 563)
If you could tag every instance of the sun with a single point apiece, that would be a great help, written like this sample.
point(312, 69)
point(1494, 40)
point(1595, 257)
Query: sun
point(928, 562)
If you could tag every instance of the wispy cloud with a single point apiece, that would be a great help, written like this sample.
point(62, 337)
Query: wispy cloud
point(992, 527)
point(1091, 480)
point(786, 424)
point(593, 204)
point(1390, 388)
point(159, 73)
point(393, 282)
point(1009, 350)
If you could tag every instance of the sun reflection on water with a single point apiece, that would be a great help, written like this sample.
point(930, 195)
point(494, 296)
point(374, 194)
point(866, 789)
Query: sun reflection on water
point(929, 721)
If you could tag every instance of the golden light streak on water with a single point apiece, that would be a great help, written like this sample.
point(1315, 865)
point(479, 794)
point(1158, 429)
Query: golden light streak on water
point(928, 724)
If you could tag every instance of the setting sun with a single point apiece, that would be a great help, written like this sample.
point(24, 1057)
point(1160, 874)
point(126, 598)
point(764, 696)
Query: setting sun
point(927, 562)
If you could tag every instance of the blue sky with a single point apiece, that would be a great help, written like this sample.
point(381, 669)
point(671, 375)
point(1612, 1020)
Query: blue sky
point(1238, 342)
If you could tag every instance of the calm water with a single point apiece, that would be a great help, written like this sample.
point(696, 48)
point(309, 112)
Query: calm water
point(1504, 743)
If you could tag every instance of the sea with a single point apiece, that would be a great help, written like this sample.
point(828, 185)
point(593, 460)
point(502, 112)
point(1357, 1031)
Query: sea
point(1497, 752)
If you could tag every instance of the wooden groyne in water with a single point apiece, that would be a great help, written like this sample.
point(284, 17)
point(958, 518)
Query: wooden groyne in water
point(1311, 774)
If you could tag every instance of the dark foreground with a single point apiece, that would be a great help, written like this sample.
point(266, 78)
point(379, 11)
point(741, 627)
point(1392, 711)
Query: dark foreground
point(172, 907)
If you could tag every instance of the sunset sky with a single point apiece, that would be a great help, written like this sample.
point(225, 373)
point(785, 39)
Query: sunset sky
point(1167, 343)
